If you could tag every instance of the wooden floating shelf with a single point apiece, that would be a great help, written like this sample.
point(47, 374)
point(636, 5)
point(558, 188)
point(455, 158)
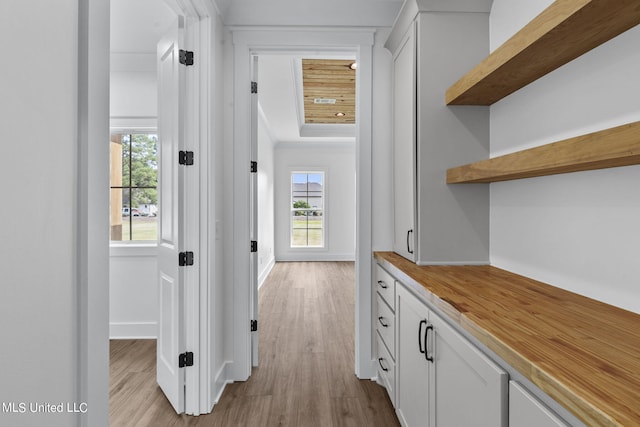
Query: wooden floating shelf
point(561, 33)
point(614, 147)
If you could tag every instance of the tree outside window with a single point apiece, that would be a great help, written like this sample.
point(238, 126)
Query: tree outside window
point(134, 187)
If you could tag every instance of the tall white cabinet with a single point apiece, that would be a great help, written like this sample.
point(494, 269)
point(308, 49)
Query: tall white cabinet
point(432, 44)
point(442, 378)
point(404, 147)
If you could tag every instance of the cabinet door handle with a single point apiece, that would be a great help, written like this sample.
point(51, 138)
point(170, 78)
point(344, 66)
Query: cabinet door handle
point(426, 344)
point(380, 359)
point(409, 247)
point(382, 284)
point(422, 322)
point(386, 325)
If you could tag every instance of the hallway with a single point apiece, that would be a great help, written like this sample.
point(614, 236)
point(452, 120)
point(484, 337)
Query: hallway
point(305, 377)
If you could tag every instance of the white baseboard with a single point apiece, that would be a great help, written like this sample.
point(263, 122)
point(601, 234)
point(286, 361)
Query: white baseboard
point(219, 383)
point(133, 330)
point(263, 275)
point(315, 256)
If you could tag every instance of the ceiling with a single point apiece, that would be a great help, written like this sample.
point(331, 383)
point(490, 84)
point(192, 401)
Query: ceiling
point(282, 102)
point(329, 91)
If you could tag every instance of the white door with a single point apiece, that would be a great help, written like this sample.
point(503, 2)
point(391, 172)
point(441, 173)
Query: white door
point(404, 146)
point(171, 333)
point(254, 210)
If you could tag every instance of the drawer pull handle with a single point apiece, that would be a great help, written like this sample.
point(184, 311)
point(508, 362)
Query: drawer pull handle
point(380, 359)
point(386, 325)
point(422, 322)
point(426, 343)
point(382, 284)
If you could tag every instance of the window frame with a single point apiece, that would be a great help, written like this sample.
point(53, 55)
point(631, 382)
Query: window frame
point(149, 244)
point(309, 171)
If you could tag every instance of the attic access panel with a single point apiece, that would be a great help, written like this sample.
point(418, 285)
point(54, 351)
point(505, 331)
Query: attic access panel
point(329, 89)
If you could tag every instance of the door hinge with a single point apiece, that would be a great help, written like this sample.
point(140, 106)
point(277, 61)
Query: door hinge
point(254, 246)
point(186, 57)
point(254, 166)
point(254, 87)
point(254, 325)
point(185, 158)
point(185, 258)
point(185, 359)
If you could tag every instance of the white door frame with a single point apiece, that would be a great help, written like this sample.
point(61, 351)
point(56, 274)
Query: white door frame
point(92, 271)
point(246, 43)
point(92, 239)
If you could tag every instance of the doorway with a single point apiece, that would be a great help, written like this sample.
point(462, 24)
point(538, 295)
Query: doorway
point(306, 192)
point(152, 87)
point(247, 44)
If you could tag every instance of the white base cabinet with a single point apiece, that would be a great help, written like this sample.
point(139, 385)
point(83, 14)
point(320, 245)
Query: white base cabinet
point(527, 411)
point(442, 378)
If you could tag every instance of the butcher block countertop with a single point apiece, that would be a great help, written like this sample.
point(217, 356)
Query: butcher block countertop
point(583, 353)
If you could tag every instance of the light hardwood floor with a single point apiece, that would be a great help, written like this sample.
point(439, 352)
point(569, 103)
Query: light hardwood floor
point(305, 377)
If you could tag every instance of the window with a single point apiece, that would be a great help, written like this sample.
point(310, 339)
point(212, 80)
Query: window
point(134, 182)
point(307, 210)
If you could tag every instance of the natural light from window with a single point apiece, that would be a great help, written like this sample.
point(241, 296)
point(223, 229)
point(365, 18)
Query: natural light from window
point(134, 182)
point(307, 210)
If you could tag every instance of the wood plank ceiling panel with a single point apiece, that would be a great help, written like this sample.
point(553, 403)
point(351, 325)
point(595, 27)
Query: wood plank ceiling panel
point(329, 79)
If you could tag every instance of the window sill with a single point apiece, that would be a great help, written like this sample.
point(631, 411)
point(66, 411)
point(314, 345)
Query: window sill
point(133, 249)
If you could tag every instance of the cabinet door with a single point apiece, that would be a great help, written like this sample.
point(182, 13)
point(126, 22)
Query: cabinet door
point(404, 146)
point(468, 389)
point(526, 411)
point(412, 368)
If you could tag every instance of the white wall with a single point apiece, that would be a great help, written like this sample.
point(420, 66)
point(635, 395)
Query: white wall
point(38, 306)
point(310, 13)
point(338, 162)
point(133, 90)
point(134, 93)
point(133, 300)
point(578, 231)
point(266, 238)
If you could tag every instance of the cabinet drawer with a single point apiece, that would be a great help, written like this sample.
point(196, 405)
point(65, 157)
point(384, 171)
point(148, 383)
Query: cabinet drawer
point(385, 324)
point(386, 285)
point(386, 370)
